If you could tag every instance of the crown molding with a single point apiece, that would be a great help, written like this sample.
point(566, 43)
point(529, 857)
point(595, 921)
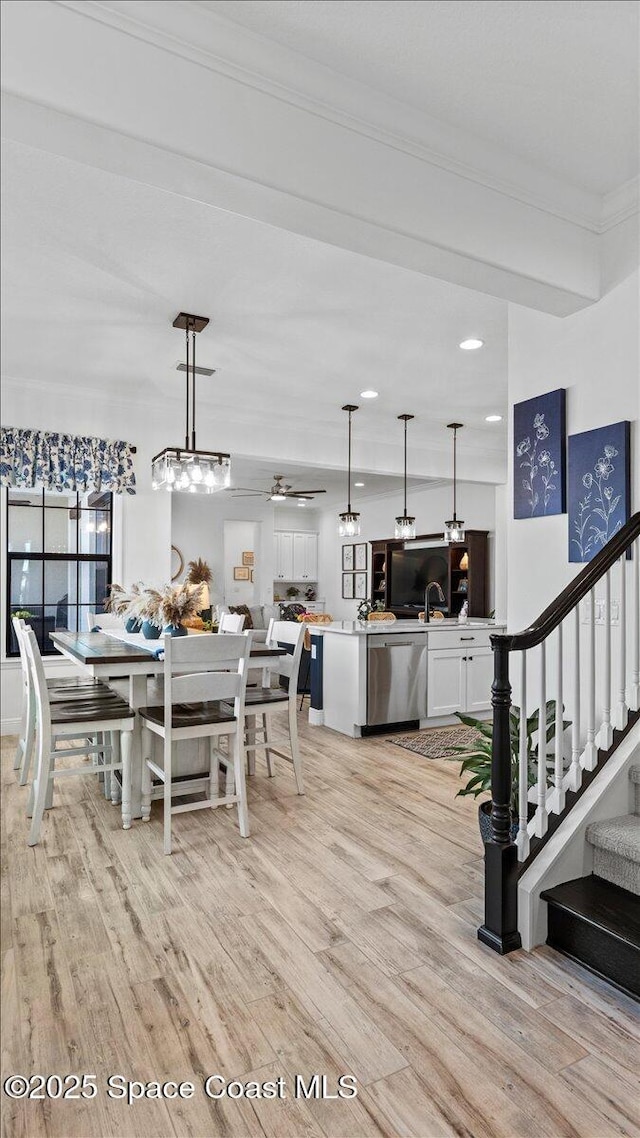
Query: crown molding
point(620, 205)
point(196, 34)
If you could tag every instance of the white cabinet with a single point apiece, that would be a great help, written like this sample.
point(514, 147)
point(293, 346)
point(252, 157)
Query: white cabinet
point(445, 681)
point(479, 680)
point(284, 556)
point(296, 556)
point(459, 679)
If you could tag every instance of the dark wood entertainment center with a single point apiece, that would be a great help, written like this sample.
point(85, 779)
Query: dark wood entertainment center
point(476, 548)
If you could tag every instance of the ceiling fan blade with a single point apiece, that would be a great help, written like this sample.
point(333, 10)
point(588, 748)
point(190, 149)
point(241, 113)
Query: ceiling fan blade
point(247, 489)
point(304, 493)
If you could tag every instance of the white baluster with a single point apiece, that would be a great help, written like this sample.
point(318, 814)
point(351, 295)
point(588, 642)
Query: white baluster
point(590, 756)
point(574, 778)
point(605, 735)
point(634, 694)
point(622, 710)
point(541, 819)
point(522, 840)
point(557, 798)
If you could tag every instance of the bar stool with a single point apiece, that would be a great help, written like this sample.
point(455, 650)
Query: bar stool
point(96, 716)
point(194, 708)
point(265, 702)
point(60, 689)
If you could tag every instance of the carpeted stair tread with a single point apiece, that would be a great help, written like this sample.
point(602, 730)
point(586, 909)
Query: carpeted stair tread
point(619, 836)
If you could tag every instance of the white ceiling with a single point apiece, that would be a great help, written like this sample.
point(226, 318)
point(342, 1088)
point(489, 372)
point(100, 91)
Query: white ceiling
point(260, 473)
point(553, 81)
point(96, 267)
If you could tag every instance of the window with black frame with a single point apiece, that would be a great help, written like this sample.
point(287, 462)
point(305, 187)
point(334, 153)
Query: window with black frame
point(58, 560)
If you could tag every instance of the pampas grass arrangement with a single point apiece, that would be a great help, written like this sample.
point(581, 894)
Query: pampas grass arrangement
point(171, 605)
point(200, 574)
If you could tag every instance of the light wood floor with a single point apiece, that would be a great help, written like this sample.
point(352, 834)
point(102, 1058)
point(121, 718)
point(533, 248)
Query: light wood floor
point(339, 939)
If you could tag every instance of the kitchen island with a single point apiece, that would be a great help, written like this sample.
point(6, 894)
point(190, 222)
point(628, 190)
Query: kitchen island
point(376, 675)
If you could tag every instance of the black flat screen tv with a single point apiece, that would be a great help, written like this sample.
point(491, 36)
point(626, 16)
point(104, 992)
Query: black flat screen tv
point(411, 571)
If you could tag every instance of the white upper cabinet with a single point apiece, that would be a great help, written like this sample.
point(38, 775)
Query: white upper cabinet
point(284, 556)
point(296, 556)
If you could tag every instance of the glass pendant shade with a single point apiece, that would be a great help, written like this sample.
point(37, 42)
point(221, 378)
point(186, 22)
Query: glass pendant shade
point(453, 531)
point(405, 527)
point(196, 472)
point(187, 469)
point(349, 525)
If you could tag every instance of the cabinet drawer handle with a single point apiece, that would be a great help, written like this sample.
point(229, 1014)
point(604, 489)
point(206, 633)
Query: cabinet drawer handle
point(467, 637)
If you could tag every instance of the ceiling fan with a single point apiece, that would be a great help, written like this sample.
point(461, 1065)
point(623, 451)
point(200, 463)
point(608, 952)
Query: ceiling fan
point(279, 492)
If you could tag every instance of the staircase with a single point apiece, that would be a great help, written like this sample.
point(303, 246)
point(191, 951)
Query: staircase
point(562, 659)
point(596, 920)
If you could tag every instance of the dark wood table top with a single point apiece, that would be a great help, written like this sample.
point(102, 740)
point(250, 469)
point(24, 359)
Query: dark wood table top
point(99, 648)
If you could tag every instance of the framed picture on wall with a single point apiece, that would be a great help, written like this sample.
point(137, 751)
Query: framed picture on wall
point(539, 456)
point(347, 559)
point(360, 586)
point(241, 573)
point(599, 488)
point(360, 560)
point(248, 558)
point(347, 586)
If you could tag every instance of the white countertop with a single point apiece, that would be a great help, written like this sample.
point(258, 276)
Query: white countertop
point(399, 627)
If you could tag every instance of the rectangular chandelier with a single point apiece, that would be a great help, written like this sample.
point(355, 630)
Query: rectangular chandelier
point(196, 471)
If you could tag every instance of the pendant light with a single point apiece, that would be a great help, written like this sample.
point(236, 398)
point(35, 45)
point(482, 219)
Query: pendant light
point(189, 469)
point(349, 524)
point(454, 529)
point(405, 525)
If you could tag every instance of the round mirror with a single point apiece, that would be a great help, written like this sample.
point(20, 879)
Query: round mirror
point(177, 563)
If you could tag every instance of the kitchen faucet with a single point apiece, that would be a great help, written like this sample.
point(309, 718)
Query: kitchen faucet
point(441, 597)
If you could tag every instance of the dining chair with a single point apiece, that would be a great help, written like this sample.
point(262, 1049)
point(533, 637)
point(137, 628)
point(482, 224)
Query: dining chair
point(104, 620)
point(59, 689)
point(232, 622)
point(265, 702)
point(98, 716)
point(205, 680)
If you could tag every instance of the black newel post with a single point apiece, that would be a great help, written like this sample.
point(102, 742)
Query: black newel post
point(500, 928)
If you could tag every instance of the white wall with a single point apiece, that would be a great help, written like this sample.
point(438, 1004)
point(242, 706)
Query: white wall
point(242, 537)
point(594, 354)
point(476, 505)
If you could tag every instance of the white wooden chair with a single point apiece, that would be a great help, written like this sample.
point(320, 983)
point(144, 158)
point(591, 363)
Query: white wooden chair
point(59, 689)
point(232, 622)
point(99, 716)
point(200, 673)
point(266, 702)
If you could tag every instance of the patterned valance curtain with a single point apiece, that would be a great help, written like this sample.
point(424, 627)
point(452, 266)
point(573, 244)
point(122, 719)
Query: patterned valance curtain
point(31, 458)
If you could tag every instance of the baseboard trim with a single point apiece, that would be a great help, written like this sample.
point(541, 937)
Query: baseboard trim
point(10, 726)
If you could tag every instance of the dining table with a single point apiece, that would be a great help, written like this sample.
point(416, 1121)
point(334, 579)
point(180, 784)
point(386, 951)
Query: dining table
point(127, 656)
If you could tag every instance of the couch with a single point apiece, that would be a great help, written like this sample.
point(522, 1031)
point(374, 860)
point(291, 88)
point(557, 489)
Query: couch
point(260, 615)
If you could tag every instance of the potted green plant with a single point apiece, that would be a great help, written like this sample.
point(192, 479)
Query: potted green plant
point(366, 607)
point(477, 761)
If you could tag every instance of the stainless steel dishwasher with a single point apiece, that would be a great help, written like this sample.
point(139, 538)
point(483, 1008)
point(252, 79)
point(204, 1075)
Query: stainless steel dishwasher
point(396, 678)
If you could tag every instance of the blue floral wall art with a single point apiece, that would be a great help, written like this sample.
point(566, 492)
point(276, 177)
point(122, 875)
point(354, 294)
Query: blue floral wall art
point(599, 488)
point(539, 455)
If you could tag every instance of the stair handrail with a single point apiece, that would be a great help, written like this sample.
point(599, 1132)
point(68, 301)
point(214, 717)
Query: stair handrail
point(500, 928)
point(575, 591)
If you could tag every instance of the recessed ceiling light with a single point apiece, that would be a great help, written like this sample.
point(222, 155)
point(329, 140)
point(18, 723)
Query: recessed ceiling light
point(471, 344)
point(301, 502)
point(358, 484)
point(368, 394)
point(493, 419)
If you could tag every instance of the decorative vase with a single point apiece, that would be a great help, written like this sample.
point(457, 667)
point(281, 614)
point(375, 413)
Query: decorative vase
point(175, 630)
point(150, 631)
point(133, 625)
